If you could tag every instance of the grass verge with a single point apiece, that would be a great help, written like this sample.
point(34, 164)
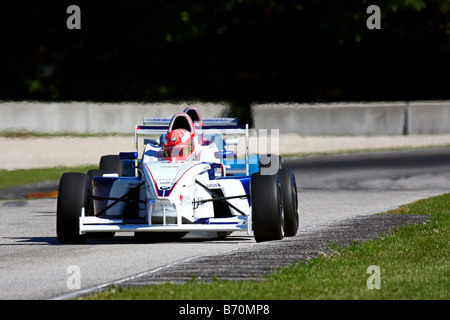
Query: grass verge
point(31, 134)
point(11, 178)
point(413, 261)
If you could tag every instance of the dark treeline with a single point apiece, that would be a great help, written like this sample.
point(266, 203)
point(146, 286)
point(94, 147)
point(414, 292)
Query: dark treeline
point(235, 51)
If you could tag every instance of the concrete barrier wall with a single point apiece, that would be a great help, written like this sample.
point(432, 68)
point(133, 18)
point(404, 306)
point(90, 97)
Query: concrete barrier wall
point(87, 117)
point(364, 119)
point(331, 119)
point(430, 117)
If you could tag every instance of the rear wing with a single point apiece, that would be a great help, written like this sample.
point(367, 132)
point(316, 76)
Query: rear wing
point(206, 122)
point(214, 129)
point(222, 126)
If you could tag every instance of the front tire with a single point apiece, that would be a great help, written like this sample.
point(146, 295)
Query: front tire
point(290, 202)
point(72, 197)
point(267, 212)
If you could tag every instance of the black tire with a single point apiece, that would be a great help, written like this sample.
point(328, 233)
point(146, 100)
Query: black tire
point(290, 202)
point(72, 196)
point(267, 212)
point(111, 164)
point(90, 205)
point(96, 173)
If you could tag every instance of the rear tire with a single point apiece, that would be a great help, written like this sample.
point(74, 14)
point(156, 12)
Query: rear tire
point(72, 197)
point(267, 212)
point(290, 202)
point(111, 164)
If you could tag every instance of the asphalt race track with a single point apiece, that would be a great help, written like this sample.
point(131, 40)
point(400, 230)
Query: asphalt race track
point(33, 265)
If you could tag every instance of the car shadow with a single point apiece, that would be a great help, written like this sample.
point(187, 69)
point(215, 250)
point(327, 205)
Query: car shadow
point(128, 239)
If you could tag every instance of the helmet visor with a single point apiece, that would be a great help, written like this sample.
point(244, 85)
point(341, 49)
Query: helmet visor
point(178, 151)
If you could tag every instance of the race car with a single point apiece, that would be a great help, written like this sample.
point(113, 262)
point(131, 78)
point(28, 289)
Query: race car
point(188, 180)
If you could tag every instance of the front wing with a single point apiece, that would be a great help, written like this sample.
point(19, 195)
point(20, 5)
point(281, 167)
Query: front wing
point(229, 224)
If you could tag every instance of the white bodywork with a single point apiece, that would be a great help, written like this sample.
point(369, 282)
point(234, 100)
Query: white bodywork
point(172, 195)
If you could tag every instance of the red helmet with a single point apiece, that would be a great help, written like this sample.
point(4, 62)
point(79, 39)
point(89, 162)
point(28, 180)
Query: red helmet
point(178, 144)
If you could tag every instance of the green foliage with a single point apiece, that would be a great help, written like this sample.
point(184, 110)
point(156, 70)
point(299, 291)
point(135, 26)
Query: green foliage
point(239, 51)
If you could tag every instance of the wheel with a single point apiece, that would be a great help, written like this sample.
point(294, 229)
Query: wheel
point(290, 202)
point(90, 205)
point(267, 212)
point(96, 173)
point(72, 196)
point(111, 164)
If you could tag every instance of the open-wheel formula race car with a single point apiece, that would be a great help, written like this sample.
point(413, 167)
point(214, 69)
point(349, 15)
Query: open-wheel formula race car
point(188, 180)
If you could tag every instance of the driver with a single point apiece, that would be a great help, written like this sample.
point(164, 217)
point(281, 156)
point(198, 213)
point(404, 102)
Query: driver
point(179, 145)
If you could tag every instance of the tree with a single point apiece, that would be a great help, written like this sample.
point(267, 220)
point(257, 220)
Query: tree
point(238, 51)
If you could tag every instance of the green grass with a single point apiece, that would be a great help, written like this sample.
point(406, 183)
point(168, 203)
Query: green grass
point(10, 178)
point(414, 263)
point(32, 134)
